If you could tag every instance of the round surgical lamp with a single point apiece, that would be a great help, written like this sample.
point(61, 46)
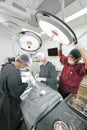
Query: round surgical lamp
point(29, 41)
point(55, 28)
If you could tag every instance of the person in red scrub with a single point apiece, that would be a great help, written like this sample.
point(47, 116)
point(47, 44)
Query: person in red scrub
point(73, 70)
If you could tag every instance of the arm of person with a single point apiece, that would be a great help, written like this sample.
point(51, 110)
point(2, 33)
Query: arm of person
point(63, 59)
point(60, 50)
point(15, 85)
point(52, 75)
point(83, 53)
point(39, 79)
point(52, 79)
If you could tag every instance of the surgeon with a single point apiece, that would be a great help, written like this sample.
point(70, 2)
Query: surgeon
point(10, 80)
point(47, 73)
point(73, 71)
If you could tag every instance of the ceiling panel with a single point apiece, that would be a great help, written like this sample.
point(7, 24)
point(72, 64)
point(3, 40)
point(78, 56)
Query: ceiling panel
point(53, 6)
point(15, 11)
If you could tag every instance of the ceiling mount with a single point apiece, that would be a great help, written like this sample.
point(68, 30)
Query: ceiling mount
point(55, 28)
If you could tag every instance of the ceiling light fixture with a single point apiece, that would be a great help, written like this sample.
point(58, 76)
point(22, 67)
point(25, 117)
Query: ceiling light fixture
point(29, 41)
point(76, 15)
point(55, 28)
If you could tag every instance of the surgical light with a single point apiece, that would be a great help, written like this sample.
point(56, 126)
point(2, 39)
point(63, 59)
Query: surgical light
point(29, 41)
point(55, 28)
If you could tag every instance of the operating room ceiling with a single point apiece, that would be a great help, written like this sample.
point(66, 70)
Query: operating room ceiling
point(18, 14)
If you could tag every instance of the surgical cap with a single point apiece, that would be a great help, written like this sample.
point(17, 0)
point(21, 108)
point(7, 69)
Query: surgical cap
point(40, 56)
point(25, 59)
point(75, 53)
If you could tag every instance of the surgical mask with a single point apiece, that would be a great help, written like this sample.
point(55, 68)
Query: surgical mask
point(71, 62)
point(24, 69)
point(40, 63)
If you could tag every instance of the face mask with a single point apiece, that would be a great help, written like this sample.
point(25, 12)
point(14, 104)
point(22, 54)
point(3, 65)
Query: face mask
point(71, 62)
point(40, 63)
point(24, 69)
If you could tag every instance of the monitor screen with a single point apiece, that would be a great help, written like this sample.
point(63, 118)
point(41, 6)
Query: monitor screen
point(53, 52)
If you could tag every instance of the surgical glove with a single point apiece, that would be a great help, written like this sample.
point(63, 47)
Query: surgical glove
point(33, 81)
point(26, 77)
point(25, 80)
point(40, 79)
point(43, 79)
point(37, 75)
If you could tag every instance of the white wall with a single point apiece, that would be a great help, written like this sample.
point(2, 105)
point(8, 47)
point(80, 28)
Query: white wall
point(5, 45)
point(8, 46)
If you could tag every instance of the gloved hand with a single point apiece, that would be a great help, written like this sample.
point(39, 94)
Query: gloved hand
point(27, 78)
point(40, 79)
point(37, 75)
point(32, 81)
